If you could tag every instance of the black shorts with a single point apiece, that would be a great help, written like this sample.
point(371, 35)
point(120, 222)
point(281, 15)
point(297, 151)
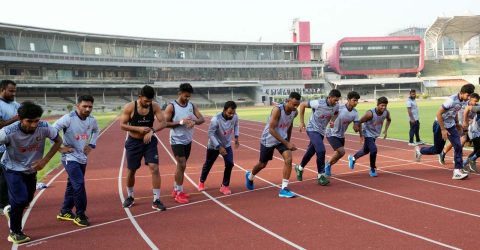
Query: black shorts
point(136, 149)
point(180, 150)
point(336, 142)
point(266, 153)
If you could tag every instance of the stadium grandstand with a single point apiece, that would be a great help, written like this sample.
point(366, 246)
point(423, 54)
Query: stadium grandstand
point(370, 65)
point(54, 66)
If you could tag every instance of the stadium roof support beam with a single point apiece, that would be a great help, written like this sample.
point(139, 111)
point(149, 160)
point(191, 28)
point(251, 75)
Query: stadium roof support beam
point(459, 28)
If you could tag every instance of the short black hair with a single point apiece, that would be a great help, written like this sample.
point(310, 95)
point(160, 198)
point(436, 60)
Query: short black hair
point(382, 100)
point(475, 96)
point(229, 104)
point(5, 83)
point(467, 88)
point(335, 93)
point(295, 95)
point(185, 87)
point(86, 98)
point(353, 94)
point(148, 92)
point(413, 91)
point(29, 110)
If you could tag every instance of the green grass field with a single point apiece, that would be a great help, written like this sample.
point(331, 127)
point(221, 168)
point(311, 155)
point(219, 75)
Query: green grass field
point(103, 119)
point(398, 128)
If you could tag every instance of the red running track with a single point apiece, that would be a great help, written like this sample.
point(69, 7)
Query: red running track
point(410, 204)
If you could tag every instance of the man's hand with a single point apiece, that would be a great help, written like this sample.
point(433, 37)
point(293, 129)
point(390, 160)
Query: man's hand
point(291, 146)
point(302, 126)
point(222, 151)
point(144, 130)
point(237, 144)
point(39, 164)
point(66, 150)
point(445, 134)
point(362, 139)
point(148, 137)
point(87, 149)
point(384, 134)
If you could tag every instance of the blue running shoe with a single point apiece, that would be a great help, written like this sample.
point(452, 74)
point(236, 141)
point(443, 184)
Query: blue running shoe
point(286, 193)
point(373, 172)
point(328, 169)
point(351, 162)
point(248, 182)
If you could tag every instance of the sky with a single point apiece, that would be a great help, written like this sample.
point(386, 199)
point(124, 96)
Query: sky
point(229, 20)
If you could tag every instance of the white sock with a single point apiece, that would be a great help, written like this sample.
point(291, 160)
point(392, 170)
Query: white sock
point(179, 188)
point(251, 176)
point(284, 183)
point(318, 175)
point(156, 194)
point(130, 191)
point(300, 168)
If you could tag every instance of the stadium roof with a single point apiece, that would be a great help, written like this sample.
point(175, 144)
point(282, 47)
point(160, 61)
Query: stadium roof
point(459, 28)
point(120, 37)
point(377, 81)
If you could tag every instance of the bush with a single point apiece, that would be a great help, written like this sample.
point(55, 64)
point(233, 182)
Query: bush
point(69, 107)
point(425, 96)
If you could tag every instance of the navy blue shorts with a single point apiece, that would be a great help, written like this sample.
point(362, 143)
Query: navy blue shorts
point(180, 150)
point(136, 149)
point(336, 142)
point(266, 153)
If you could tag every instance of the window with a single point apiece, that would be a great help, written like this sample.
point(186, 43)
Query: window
point(32, 47)
point(65, 49)
point(98, 51)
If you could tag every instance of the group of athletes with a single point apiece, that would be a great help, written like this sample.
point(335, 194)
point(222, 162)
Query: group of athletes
point(23, 135)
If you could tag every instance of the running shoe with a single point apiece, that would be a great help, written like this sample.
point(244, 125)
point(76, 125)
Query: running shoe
point(174, 194)
point(412, 144)
point(351, 162)
point(181, 198)
point(373, 172)
point(441, 158)
point(322, 180)
point(201, 186)
point(248, 182)
point(328, 169)
point(458, 174)
point(286, 193)
point(158, 205)
point(420, 143)
point(81, 221)
point(418, 155)
point(129, 201)
point(67, 216)
point(299, 172)
point(472, 166)
point(18, 238)
point(225, 190)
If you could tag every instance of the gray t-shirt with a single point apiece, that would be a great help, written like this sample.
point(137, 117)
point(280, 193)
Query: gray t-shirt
point(344, 118)
point(76, 134)
point(221, 130)
point(181, 134)
point(414, 108)
point(321, 115)
point(373, 127)
point(24, 149)
point(452, 106)
point(283, 125)
point(7, 111)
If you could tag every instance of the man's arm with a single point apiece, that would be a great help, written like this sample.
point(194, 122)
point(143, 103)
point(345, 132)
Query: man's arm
point(387, 125)
point(40, 164)
point(160, 118)
point(4, 123)
point(199, 115)
point(302, 107)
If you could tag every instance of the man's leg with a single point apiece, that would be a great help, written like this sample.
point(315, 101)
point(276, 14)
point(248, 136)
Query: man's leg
point(228, 160)
point(287, 171)
point(411, 132)
point(417, 131)
point(438, 142)
point(210, 158)
point(18, 197)
point(454, 139)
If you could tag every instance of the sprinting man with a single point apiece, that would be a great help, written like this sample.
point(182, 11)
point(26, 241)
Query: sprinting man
point(80, 132)
point(182, 115)
point(25, 141)
point(324, 113)
point(336, 135)
point(222, 127)
point(373, 119)
point(276, 135)
point(138, 119)
point(446, 126)
point(8, 115)
point(464, 119)
point(412, 110)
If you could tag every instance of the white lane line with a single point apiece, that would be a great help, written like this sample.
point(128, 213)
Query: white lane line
point(233, 211)
point(127, 210)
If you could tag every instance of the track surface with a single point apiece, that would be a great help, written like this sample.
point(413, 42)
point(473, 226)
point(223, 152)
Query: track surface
point(410, 205)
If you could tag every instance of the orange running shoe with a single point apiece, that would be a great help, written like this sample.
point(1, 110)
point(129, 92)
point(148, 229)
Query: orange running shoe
point(181, 198)
point(225, 190)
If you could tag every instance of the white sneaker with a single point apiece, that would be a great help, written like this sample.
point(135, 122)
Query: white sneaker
point(458, 174)
point(420, 143)
point(418, 155)
point(412, 144)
